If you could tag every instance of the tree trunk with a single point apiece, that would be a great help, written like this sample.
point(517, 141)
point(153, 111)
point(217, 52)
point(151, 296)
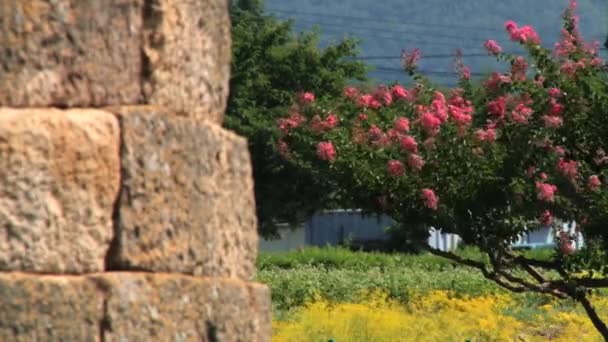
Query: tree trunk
point(595, 319)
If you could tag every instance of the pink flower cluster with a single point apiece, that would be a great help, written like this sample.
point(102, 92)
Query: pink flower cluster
point(492, 47)
point(546, 218)
point(568, 168)
point(402, 125)
point(317, 125)
point(496, 80)
point(415, 162)
point(594, 183)
point(326, 151)
point(369, 101)
point(430, 199)
point(401, 93)
point(307, 97)
point(553, 117)
point(518, 69)
point(545, 191)
point(487, 135)
point(409, 144)
point(395, 168)
point(410, 59)
point(525, 34)
point(461, 110)
point(293, 121)
point(521, 114)
point(496, 108)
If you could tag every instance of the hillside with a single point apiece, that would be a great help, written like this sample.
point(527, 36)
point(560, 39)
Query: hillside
point(437, 27)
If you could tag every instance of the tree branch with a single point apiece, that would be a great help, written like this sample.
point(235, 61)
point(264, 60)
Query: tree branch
point(595, 318)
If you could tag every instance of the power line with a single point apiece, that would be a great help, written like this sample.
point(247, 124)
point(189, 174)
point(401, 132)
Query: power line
point(384, 38)
point(385, 30)
point(408, 23)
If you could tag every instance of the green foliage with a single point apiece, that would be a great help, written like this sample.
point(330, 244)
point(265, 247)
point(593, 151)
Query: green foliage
point(269, 63)
point(338, 274)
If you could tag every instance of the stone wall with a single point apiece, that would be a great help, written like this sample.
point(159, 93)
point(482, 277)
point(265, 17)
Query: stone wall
point(126, 211)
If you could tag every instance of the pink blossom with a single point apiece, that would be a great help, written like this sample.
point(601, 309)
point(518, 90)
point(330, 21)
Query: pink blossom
point(510, 26)
point(461, 116)
point(317, 125)
point(410, 59)
point(545, 191)
point(546, 218)
point(430, 123)
point(293, 121)
point(368, 101)
point(492, 47)
point(307, 97)
point(594, 183)
point(465, 72)
point(496, 80)
point(387, 98)
point(409, 144)
point(497, 107)
point(430, 199)
point(555, 92)
point(488, 135)
point(394, 135)
point(553, 121)
point(395, 168)
point(400, 92)
point(543, 176)
point(402, 124)
point(351, 92)
point(326, 151)
point(518, 68)
point(415, 162)
point(374, 133)
point(559, 150)
point(521, 113)
point(362, 117)
point(568, 169)
point(596, 62)
point(439, 106)
point(540, 81)
point(555, 108)
point(525, 34)
point(480, 135)
point(331, 121)
point(531, 171)
point(568, 68)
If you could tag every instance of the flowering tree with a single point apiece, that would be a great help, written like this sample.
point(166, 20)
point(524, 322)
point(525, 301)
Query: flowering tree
point(488, 160)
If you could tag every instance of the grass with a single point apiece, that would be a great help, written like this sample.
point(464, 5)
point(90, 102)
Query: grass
point(341, 275)
point(323, 293)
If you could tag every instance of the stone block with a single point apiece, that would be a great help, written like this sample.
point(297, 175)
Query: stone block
point(49, 308)
point(186, 60)
point(92, 53)
point(132, 307)
point(59, 173)
point(186, 202)
point(70, 53)
point(168, 307)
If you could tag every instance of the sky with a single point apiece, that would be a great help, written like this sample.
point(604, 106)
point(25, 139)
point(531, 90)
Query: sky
point(437, 27)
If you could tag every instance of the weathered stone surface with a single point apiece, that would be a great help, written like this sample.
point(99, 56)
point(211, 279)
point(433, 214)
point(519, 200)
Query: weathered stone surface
point(131, 307)
point(187, 56)
point(59, 173)
point(70, 52)
point(186, 202)
point(49, 308)
point(90, 53)
point(168, 307)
